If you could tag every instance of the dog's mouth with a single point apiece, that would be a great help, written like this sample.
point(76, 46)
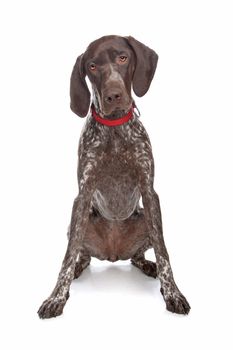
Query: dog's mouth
point(117, 113)
point(113, 108)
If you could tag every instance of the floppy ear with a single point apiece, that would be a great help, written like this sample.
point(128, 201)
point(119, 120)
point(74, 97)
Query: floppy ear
point(79, 93)
point(146, 62)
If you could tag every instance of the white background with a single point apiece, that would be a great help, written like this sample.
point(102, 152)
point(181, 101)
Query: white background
point(187, 112)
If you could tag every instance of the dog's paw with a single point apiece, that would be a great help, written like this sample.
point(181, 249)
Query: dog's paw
point(149, 268)
point(146, 266)
point(52, 307)
point(176, 302)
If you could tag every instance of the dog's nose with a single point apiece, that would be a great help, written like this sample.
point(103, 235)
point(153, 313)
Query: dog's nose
point(113, 96)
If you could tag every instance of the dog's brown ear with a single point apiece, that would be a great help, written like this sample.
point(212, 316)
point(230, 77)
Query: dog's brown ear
point(146, 63)
point(79, 93)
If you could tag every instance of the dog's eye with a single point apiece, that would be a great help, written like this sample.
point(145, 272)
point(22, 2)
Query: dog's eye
point(92, 66)
point(123, 59)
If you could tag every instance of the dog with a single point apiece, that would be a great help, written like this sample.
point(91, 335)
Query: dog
point(115, 171)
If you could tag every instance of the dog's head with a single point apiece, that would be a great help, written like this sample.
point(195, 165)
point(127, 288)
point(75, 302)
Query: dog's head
point(113, 64)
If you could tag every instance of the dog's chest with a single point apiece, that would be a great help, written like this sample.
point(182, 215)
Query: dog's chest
point(116, 146)
point(117, 141)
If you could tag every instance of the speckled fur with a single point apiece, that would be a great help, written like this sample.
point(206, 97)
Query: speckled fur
point(115, 170)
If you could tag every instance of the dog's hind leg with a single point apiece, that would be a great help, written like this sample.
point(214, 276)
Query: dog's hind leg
point(146, 266)
point(83, 261)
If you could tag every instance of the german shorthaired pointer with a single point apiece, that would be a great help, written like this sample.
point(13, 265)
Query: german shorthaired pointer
point(115, 169)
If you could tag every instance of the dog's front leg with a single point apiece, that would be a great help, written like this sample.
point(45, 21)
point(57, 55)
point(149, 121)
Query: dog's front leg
point(53, 306)
point(175, 301)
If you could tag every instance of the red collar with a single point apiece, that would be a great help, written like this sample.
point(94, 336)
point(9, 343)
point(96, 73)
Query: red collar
point(114, 122)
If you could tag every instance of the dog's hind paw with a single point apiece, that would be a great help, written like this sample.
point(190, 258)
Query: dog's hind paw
point(52, 307)
point(146, 266)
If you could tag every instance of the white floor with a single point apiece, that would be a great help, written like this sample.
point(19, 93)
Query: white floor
point(116, 306)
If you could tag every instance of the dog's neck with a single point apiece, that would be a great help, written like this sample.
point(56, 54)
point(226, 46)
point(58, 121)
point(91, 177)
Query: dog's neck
point(114, 121)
